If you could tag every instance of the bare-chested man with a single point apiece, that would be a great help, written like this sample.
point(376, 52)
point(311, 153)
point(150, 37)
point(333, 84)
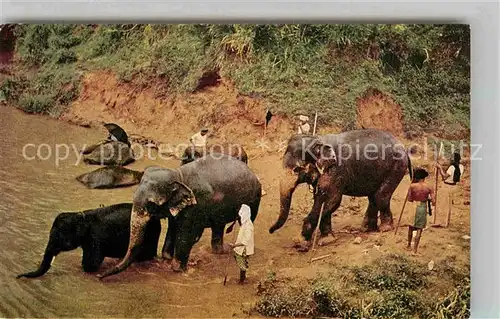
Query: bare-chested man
point(419, 192)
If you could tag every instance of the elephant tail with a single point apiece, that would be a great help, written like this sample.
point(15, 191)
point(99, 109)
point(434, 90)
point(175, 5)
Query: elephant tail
point(410, 169)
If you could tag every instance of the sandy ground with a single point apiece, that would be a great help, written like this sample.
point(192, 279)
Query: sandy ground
point(174, 120)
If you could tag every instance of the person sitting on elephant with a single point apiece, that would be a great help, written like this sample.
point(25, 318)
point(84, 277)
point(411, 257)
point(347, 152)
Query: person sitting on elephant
point(200, 139)
point(419, 192)
point(304, 127)
point(244, 246)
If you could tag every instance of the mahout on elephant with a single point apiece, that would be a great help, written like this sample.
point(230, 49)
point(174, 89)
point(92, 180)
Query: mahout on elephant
point(360, 163)
point(206, 193)
point(101, 232)
point(192, 152)
point(110, 177)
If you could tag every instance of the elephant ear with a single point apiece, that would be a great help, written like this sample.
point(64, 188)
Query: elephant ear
point(182, 197)
point(323, 155)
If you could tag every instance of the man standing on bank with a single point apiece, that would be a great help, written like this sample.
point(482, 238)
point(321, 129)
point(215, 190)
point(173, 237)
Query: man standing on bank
point(419, 192)
point(451, 178)
point(244, 246)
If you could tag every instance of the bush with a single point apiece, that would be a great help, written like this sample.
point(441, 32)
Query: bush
point(36, 103)
point(295, 67)
point(391, 287)
point(457, 303)
point(391, 273)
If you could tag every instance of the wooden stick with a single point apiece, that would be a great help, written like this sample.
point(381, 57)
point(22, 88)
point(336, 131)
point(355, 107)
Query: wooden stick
point(316, 232)
point(450, 203)
point(315, 121)
point(402, 210)
point(435, 194)
point(229, 257)
point(320, 257)
point(436, 185)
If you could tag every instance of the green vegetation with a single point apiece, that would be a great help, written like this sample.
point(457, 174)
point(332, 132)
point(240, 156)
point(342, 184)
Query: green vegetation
point(424, 68)
point(392, 287)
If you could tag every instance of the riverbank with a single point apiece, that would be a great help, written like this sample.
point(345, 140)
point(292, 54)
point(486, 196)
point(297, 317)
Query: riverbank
point(277, 268)
point(154, 90)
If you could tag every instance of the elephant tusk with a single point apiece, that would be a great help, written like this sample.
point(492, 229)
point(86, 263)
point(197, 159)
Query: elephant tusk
point(174, 211)
point(320, 170)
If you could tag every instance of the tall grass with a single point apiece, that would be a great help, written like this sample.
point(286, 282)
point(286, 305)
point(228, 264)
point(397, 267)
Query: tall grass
point(296, 68)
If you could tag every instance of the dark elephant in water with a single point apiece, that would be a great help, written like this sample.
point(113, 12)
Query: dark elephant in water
point(108, 153)
point(101, 232)
point(206, 193)
point(192, 153)
point(357, 163)
point(110, 177)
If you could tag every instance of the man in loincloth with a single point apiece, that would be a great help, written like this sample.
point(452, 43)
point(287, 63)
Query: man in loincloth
point(244, 246)
point(419, 192)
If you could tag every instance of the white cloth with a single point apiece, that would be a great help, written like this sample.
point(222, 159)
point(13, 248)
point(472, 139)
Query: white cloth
point(199, 140)
point(245, 234)
point(451, 171)
point(304, 128)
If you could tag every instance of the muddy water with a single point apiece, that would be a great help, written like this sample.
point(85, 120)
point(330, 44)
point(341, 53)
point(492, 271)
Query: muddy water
point(34, 191)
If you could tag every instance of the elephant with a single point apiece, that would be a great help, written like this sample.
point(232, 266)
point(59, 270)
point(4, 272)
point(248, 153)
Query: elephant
point(206, 193)
point(192, 153)
point(101, 232)
point(329, 165)
point(110, 177)
point(108, 153)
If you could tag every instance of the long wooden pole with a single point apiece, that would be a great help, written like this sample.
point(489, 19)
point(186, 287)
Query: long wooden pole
point(316, 233)
point(450, 204)
point(315, 121)
point(230, 254)
point(402, 210)
point(436, 185)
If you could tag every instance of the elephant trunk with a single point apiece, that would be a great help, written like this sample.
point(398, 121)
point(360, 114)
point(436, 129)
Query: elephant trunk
point(138, 221)
point(48, 257)
point(287, 187)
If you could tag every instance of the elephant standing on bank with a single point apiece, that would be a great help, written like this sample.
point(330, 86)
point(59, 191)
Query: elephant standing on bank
point(205, 193)
point(357, 163)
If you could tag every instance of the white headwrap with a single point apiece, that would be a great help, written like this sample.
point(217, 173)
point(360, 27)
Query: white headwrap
point(245, 234)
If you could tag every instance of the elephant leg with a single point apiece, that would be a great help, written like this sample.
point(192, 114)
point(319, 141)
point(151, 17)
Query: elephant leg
point(150, 247)
point(310, 222)
point(370, 219)
point(92, 257)
point(386, 220)
point(167, 251)
point(384, 194)
point(188, 233)
point(217, 239)
point(325, 225)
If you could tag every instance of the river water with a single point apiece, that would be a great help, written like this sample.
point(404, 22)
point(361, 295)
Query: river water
point(35, 190)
